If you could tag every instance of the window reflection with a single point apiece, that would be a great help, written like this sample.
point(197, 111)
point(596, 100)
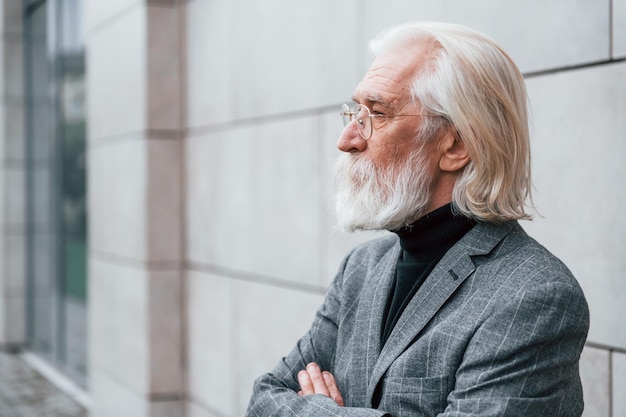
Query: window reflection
point(56, 186)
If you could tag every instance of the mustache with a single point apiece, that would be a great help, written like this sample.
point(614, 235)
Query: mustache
point(360, 170)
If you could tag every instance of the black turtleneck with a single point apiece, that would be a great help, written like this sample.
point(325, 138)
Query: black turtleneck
point(423, 244)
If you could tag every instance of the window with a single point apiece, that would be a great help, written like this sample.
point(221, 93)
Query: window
point(56, 184)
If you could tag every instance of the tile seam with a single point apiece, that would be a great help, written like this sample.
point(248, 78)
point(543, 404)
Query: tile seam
point(136, 263)
point(252, 277)
point(233, 124)
point(570, 68)
point(603, 346)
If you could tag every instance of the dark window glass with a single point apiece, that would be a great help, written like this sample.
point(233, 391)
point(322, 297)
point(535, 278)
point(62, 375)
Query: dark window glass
point(56, 186)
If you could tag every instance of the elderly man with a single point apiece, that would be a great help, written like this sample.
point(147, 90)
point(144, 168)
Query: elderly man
point(458, 312)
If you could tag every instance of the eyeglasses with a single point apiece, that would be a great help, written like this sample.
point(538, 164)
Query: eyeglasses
point(361, 114)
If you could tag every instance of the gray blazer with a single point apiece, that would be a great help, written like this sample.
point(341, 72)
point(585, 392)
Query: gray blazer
point(495, 330)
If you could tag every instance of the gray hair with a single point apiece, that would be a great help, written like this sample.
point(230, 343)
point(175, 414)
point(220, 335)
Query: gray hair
point(478, 90)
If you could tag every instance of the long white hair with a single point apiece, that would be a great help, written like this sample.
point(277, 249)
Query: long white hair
point(478, 90)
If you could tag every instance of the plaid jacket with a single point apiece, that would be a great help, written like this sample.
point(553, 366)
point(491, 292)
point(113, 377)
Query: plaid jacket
point(495, 330)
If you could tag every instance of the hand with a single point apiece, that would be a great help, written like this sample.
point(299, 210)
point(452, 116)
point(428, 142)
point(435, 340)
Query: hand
point(313, 381)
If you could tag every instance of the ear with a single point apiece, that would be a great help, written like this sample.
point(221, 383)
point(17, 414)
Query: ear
point(454, 155)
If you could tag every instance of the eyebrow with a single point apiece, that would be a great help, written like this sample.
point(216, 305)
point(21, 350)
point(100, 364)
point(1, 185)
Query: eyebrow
point(377, 99)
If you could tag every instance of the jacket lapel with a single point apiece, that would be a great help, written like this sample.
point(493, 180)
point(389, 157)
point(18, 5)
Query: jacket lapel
point(368, 327)
point(442, 282)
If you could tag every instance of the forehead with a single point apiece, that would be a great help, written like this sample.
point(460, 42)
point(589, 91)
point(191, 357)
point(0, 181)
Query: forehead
point(388, 80)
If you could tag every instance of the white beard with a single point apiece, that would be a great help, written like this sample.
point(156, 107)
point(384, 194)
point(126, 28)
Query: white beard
point(368, 199)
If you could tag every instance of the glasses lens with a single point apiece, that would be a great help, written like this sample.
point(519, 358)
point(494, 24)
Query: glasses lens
point(345, 114)
point(363, 121)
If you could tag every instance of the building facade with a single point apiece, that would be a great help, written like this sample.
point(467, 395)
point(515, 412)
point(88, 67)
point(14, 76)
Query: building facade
point(165, 181)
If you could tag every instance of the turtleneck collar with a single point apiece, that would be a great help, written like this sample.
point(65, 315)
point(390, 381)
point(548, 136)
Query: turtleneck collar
point(433, 234)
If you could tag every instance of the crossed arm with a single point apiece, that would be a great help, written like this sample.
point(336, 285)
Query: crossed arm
point(521, 358)
point(489, 382)
point(301, 383)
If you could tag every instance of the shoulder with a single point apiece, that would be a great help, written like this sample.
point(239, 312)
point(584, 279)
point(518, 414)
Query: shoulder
point(372, 251)
point(509, 249)
point(521, 255)
point(368, 261)
point(519, 267)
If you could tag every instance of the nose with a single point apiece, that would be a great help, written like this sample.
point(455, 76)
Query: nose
point(350, 139)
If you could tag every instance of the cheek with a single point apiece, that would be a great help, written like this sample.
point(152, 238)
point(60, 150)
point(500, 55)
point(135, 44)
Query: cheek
point(383, 158)
point(392, 143)
point(392, 156)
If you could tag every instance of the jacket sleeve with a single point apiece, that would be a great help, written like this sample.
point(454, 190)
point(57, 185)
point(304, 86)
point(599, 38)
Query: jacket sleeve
point(275, 393)
point(523, 358)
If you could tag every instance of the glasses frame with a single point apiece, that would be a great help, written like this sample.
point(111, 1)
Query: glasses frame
point(348, 115)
